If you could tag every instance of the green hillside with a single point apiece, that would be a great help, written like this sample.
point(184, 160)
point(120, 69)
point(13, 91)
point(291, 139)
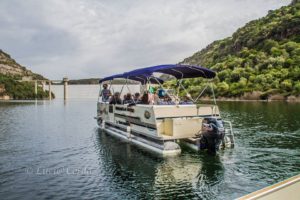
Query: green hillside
point(263, 56)
point(11, 73)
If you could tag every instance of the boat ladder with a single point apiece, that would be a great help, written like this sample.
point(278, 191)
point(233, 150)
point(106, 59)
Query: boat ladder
point(228, 140)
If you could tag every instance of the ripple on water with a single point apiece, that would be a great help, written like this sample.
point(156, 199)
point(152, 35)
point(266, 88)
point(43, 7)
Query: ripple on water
point(80, 161)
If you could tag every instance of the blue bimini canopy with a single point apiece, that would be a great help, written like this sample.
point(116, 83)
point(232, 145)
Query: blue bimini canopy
point(111, 77)
point(178, 71)
point(141, 78)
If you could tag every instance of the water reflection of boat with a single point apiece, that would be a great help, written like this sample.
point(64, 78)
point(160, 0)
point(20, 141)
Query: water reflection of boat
point(159, 126)
point(156, 178)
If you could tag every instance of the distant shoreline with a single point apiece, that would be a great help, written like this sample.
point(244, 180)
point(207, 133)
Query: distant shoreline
point(275, 98)
point(261, 100)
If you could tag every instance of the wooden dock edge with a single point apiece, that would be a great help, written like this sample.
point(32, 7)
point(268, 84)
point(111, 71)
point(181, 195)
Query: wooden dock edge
point(287, 189)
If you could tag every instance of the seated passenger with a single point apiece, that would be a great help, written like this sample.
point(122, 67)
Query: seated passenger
point(186, 101)
point(166, 101)
point(151, 98)
point(161, 93)
point(127, 99)
point(136, 98)
point(156, 99)
point(145, 98)
point(169, 101)
point(160, 99)
point(115, 99)
point(105, 93)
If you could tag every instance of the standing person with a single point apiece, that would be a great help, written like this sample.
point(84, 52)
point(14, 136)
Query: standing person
point(105, 93)
point(212, 136)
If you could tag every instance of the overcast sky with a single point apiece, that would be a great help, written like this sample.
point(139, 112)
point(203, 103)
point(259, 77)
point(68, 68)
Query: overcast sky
point(95, 38)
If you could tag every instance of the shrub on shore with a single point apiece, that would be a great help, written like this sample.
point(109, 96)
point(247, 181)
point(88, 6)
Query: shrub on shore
point(21, 90)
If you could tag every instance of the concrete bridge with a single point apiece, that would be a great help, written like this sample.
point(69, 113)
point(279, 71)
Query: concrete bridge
point(44, 83)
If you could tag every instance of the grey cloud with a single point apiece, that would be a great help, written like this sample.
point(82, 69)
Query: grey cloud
point(90, 38)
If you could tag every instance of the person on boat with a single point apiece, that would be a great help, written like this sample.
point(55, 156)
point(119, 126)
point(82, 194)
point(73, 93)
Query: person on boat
point(145, 98)
point(115, 99)
point(161, 93)
point(136, 98)
point(105, 93)
point(211, 136)
point(167, 100)
point(156, 99)
point(151, 95)
point(186, 101)
point(128, 99)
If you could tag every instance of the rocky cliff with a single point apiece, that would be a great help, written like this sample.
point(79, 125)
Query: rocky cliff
point(9, 66)
point(10, 85)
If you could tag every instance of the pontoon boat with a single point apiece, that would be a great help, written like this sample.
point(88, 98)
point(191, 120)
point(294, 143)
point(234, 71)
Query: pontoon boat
point(161, 128)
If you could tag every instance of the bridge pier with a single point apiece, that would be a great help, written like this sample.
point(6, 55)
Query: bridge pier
point(49, 90)
point(43, 85)
point(65, 81)
point(35, 88)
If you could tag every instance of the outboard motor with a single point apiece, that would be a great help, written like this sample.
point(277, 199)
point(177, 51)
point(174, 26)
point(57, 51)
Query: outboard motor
point(213, 134)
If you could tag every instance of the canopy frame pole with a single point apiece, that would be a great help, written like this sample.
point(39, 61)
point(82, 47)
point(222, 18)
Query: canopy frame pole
point(148, 83)
point(187, 93)
point(111, 87)
point(100, 92)
point(162, 86)
point(178, 82)
point(198, 70)
point(133, 95)
point(128, 86)
point(201, 93)
point(142, 89)
point(147, 89)
point(213, 92)
point(123, 87)
point(140, 84)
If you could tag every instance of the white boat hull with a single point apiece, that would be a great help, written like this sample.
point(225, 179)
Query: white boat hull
point(155, 128)
point(144, 144)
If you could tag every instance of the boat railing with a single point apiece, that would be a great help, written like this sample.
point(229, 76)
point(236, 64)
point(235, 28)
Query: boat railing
point(228, 140)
